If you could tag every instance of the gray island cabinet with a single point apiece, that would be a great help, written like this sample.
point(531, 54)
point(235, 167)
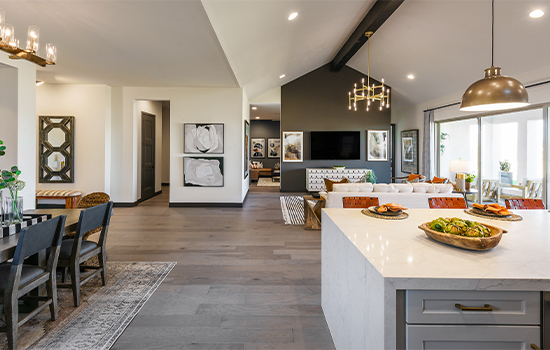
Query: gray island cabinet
point(386, 285)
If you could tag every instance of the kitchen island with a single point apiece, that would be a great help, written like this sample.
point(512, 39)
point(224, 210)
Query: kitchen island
point(386, 285)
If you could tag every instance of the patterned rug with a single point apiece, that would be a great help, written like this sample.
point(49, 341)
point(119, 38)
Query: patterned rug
point(267, 181)
point(293, 210)
point(103, 314)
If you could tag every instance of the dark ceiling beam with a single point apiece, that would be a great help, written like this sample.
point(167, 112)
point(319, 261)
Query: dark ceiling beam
point(378, 14)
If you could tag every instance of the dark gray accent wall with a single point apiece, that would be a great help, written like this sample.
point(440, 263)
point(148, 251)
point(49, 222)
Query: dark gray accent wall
point(318, 101)
point(266, 129)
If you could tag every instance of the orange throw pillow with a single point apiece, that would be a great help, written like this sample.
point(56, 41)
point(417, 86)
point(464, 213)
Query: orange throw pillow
point(329, 183)
point(439, 180)
point(413, 177)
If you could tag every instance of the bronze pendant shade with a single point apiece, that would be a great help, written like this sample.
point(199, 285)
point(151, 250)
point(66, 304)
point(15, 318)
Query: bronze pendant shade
point(494, 92)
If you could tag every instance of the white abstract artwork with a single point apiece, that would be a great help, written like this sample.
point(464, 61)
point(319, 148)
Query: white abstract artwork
point(203, 138)
point(203, 172)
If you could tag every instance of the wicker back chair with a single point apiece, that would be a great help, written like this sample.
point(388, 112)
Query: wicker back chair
point(88, 201)
point(359, 202)
point(447, 203)
point(524, 203)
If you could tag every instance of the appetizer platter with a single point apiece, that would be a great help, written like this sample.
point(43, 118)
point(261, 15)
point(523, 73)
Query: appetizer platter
point(389, 209)
point(462, 233)
point(493, 209)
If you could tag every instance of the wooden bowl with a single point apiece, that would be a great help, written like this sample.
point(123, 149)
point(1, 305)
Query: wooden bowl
point(471, 243)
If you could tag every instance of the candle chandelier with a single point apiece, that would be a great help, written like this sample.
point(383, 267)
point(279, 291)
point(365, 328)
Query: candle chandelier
point(368, 92)
point(9, 44)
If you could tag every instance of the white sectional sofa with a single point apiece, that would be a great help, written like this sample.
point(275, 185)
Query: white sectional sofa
point(413, 195)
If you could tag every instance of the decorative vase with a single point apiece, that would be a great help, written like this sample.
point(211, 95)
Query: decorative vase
point(506, 177)
point(468, 185)
point(13, 210)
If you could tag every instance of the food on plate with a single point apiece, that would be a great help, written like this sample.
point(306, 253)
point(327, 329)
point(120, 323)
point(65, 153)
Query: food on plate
point(460, 227)
point(390, 206)
point(493, 208)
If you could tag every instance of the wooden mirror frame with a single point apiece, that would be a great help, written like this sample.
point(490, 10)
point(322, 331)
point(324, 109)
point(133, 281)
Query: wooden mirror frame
point(66, 174)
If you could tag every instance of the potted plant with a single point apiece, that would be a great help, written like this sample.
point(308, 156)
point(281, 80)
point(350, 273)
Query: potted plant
point(469, 179)
point(13, 208)
point(505, 175)
point(371, 177)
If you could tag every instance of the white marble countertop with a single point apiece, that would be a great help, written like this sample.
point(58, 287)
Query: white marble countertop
point(399, 250)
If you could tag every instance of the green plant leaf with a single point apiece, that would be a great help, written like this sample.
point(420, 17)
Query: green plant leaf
point(14, 169)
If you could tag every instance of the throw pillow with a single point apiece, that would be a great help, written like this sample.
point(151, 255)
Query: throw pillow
point(362, 180)
point(439, 180)
point(413, 177)
point(329, 183)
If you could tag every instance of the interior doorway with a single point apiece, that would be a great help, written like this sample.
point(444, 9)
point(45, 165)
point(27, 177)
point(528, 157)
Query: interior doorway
point(147, 155)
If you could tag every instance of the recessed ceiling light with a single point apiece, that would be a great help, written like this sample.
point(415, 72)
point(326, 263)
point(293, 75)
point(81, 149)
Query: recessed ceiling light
point(292, 16)
point(39, 82)
point(536, 14)
point(410, 76)
point(254, 107)
point(282, 76)
point(257, 117)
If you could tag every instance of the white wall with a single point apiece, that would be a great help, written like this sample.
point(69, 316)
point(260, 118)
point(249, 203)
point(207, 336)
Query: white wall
point(154, 108)
point(19, 120)
point(91, 107)
point(187, 105)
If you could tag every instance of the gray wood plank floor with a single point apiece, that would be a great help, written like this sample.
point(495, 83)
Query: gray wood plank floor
point(243, 279)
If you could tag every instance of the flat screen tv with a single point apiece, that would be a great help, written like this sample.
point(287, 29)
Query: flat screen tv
point(335, 145)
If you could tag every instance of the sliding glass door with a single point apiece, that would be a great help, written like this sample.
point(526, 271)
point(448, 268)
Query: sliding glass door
point(507, 152)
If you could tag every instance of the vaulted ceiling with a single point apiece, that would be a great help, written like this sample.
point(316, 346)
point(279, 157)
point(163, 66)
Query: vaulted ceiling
point(226, 43)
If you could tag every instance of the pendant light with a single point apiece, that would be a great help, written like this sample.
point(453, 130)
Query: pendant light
point(494, 91)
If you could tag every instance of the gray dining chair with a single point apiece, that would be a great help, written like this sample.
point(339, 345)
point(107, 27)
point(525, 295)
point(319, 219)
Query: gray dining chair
point(76, 251)
point(18, 278)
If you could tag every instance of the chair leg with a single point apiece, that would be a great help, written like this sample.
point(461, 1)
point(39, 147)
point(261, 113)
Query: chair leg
point(12, 318)
point(74, 269)
point(64, 275)
point(51, 288)
point(102, 257)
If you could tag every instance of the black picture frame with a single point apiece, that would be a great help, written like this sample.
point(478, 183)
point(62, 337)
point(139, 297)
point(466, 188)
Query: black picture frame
point(258, 147)
point(246, 148)
point(189, 175)
point(190, 148)
point(409, 151)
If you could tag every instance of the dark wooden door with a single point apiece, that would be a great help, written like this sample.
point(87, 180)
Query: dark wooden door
point(147, 156)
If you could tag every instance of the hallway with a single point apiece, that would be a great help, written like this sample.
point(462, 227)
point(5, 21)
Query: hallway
point(243, 279)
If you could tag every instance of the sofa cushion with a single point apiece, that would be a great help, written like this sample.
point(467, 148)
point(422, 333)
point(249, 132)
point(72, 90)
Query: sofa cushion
point(352, 187)
point(329, 183)
point(443, 188)
point(383, 188)
point(403, 188)
point(420, 187)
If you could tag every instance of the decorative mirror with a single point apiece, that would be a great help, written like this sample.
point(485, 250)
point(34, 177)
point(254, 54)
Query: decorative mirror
point(56, 150)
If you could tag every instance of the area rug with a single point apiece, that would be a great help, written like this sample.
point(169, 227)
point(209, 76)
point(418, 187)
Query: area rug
point(103, 314)
point(266, 181)
point(293, 210)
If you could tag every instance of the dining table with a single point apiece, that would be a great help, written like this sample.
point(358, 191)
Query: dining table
point(8, 244)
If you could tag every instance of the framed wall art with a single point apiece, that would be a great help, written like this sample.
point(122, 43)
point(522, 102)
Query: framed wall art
point(377, 145)
point(203, 172)
point(293, 146)
point(273, 148)
point(203, 138)
point(258, 148)
point(56, 150)
point(409, 151)
point(246, 148)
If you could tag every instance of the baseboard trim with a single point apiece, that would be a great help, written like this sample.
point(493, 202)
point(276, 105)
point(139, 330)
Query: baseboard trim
point(205, 205)
point(165, 184)
point(157, 193)
point(125, 204)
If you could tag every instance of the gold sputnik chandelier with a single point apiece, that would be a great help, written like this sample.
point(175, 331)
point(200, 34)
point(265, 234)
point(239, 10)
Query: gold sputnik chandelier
point(368, 92)
point(9, 44)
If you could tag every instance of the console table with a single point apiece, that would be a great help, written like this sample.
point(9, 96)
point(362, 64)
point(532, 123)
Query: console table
point(315, 176)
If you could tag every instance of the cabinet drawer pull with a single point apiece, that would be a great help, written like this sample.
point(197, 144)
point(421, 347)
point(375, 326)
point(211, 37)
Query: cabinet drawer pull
point(534, 347)
point(485, 307)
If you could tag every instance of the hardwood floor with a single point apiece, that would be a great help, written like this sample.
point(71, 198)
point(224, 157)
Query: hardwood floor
point(243, 279)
